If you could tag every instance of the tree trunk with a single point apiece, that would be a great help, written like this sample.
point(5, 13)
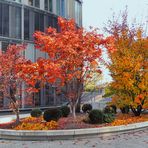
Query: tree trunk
point(15, 106)
point(74, 111)
point(17, 118)
point(78, 105)
point(137, 111)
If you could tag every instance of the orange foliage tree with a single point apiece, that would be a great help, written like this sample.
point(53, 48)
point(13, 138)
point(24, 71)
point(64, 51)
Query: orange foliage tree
point(73, 54)
point(129, 66)
point(10, 80)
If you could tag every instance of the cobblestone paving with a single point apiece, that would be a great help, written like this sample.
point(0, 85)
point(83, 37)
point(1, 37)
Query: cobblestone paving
point(138, 139)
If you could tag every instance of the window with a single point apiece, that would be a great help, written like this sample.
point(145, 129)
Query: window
point(63, 8)
point(33, 21)
point(5, 20)
point(18, 22)
point(35, 3)
point(39, 21)
point(18, 1)
point(10, 21)
point(30, 2)
point(48, 5)
point(48, 21)
point(60, 7)
point(0, 19)
point(26, 24)
point(4, 46)
point(41, 27)
point(55, 22)
point(51, 21)
point(78, 12)
point(30, 52)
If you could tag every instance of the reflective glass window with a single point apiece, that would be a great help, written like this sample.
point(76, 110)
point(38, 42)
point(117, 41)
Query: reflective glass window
point(0, 19)
point(26, 24)
point(46, 5)
point(37, 3)
point(63, 8)
point(18, 22)
point(5, 20)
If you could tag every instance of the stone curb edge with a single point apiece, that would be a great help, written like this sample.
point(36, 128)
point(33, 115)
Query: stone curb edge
point(40, 135)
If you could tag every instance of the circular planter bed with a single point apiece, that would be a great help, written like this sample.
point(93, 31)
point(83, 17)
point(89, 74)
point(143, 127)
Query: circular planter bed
point(67, 128)
point(33, 123)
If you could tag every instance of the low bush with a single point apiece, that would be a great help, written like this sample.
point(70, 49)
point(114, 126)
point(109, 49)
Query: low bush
point(52, 114)
point(108, 118)
point(36, 113)
point(125, 109)
point(96, 116)
point(86, 108)
point(108, 110)
point(65, 111)
point(114, 108)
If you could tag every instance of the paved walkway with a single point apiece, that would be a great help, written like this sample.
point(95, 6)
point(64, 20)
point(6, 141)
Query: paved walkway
point(9, 118)
point(138, 139)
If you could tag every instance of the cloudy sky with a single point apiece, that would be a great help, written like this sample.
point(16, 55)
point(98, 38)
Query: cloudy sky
point(97, 12)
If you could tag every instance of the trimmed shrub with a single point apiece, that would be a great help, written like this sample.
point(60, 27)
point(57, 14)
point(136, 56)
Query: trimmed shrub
point(96, 116)
point(125, 109)
point(86, 108)
point(65, 111)
point(108, 110)
point(114, 108)
point(52, 114)
point(36, 113)
point(108, 118)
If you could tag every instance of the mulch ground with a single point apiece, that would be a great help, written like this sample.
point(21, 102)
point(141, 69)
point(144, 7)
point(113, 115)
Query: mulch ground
point(70, 123)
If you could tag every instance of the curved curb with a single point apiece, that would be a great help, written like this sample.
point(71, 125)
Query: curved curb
point(41, 135)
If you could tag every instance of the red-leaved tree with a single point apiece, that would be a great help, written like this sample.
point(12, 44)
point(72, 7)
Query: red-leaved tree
point(73, 55)
point(10, 80)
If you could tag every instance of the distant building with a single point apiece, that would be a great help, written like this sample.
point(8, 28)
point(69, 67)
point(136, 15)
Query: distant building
point(101, 88)
point(20, 18)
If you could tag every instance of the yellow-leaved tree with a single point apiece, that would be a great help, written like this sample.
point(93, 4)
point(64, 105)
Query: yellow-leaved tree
point(129, 65)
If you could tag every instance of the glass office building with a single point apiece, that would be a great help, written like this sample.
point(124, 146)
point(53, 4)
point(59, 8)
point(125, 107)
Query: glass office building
point(18, 21)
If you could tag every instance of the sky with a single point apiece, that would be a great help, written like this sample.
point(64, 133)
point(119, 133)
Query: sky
point(96, 13)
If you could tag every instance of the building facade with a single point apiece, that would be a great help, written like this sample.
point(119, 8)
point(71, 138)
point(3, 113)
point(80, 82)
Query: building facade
point(19, 19)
